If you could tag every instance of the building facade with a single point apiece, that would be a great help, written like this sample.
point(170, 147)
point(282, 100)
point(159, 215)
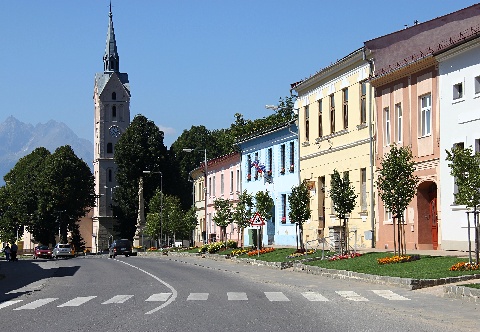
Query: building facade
point(459, 87)
point(336, 123)
point(111, 96)
point(269, 162)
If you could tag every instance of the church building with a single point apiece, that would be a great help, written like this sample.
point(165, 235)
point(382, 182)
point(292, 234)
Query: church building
point(111, 96)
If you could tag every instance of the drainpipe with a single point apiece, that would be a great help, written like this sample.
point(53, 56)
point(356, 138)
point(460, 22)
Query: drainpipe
point(372, 157)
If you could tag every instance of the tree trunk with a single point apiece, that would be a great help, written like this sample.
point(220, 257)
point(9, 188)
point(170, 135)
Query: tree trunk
point(300, 235)
point(394, 239)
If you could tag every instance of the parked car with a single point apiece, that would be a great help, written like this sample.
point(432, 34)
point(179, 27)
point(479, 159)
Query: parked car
point(43, 252)
point(63, 250)
point(120, 247)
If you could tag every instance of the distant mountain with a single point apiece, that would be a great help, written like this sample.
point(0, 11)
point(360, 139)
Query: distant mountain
point(18, 139)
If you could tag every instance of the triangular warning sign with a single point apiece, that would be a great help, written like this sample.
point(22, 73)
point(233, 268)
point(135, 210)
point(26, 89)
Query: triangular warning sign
point(257, 220)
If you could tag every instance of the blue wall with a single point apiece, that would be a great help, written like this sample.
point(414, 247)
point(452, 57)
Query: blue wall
point(279, 185)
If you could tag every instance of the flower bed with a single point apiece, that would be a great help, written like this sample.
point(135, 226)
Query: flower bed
point(301, 254)
point(398, 259)
point(346, 256)
point(262, 251)
point(464, 266)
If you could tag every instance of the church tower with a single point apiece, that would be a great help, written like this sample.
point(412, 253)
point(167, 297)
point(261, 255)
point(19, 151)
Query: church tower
point(111, 97)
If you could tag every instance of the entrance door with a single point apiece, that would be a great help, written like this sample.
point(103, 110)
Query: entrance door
point(434, 218)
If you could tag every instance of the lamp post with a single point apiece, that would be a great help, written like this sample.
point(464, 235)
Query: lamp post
point(161, 205)
point(204, 189)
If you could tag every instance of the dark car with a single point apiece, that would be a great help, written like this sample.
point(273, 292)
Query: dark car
point(42, 251)
point(120, 247)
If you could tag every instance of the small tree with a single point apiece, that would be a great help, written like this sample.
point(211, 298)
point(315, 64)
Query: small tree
point(465, 168)
point(344, 198)
point(264, 205)
point(223, 215)
point(242, 213)
point(299, 201)
point(397, 186)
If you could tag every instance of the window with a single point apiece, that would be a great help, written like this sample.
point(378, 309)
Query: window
point(388, 217)
point(477, 145)
point(110, 177)
point(114, 113)
point(284, 208)
point(249, 167)
point(386, 130)
point(282, 157)
point(332, 114)
point(345, 108)
point(256, 169)
point(292, 156)
point(399, 113)
point(320, 120)
point(270, 160)
point(363, 189)
point(213, 186)
point(114, 95)
point(477, 84)
point(222, 184)
point(458, 91)
point(231, 181)
point(210, 186)
point(109, 148)
point(238, 180)
point(363, 103)
point(307, 123)
point(425, 115)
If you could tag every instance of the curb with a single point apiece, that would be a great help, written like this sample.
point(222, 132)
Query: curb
point(298, 266)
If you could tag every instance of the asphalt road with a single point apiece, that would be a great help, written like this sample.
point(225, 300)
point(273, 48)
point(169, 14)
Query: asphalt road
point(94, 293)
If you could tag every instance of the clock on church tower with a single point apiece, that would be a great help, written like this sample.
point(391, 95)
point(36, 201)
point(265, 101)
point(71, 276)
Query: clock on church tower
point(111, 96)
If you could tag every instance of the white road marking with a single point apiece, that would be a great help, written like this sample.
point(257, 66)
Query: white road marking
point(388, 294)
point(276, 296)
point(197, 297)
point(34, 286)
point(36, 304)
point(313, 296)
point(118, 299)
point(8, 303)
point(159, 297)
point(237, 296)
point(351, 296)
point(77, 301)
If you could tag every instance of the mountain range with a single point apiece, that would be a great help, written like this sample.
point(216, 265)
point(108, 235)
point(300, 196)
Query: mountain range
point(18, 139)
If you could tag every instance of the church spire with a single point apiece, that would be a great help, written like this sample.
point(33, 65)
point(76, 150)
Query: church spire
point(111, 60)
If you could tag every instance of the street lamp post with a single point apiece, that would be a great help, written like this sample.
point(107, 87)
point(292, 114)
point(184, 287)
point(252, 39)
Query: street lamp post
point(204, 190)
point(161, 205)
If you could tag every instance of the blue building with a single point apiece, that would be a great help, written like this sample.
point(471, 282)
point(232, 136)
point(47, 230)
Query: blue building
point(270, 162)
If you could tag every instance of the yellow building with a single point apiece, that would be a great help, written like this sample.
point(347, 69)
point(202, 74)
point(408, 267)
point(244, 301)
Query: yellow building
point(336, 126)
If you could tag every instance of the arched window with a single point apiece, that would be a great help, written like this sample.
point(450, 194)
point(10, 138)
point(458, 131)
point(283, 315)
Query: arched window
point(109, 148)
point(114, 113)
point(114, 95)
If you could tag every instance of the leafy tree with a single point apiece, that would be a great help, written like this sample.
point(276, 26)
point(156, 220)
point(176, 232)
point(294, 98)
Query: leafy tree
point(465, 168)
point(264, 204)
point(154, 222)
point(223, 215)
point(189, 222)
point(299, 201)
point(397, 185)
point(66, 190)
point(140, 148)
point(344, 200)
point(243, 212)
point(173, 217)
point(8, 222)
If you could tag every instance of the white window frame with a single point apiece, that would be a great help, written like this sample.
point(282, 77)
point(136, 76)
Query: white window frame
point(399, 113)
point(387, 128)
point(458, 91)
point(425, 125)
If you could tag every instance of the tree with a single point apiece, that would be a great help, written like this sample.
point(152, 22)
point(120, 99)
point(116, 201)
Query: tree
point(264, 205)
point(465, 168)
point(242, 213)
point(173, 217)
point(344, 198)
point(66, 191)
point(140, 148)
point(190, 222)
point(397, 185)
point(223, 215)
point(299, 201)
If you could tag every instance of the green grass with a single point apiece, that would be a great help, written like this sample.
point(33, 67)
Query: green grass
point(428, 267)
point(280, 255)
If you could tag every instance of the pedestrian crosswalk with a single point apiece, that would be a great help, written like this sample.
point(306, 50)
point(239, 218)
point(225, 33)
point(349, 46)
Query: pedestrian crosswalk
point(229, 296)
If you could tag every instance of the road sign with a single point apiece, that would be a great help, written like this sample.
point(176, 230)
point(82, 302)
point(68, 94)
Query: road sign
point(257, 220)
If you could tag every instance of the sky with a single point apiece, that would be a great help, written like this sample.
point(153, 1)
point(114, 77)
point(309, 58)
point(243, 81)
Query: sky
point(190, 62)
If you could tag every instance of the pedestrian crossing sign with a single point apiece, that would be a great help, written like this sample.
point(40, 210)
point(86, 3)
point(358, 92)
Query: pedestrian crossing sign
point(257, 220)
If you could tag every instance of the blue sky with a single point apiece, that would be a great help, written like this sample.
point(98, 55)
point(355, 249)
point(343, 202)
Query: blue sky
point(189, 62)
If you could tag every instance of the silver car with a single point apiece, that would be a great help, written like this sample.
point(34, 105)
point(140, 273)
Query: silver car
point(62, 250)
